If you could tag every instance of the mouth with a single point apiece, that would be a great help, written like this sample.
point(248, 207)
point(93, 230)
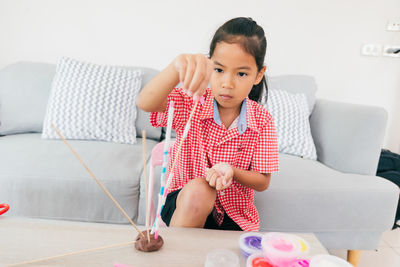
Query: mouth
point(225, 97)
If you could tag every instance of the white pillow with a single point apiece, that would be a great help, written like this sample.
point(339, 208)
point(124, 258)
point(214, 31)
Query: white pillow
point(92, 102)
point(291, 116)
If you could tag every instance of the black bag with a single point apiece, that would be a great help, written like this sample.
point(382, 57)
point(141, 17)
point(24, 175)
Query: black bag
point(389, 168)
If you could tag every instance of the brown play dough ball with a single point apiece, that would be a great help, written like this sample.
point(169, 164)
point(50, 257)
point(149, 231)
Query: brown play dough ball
point(143, 244)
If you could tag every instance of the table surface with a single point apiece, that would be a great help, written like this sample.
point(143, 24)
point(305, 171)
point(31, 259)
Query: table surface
point(24, 239)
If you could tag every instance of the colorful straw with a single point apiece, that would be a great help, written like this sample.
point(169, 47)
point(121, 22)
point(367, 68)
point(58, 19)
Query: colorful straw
point(160, 205)
point(163, 189)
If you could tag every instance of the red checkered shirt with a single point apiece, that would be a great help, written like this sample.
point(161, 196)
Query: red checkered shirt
point(209, 142)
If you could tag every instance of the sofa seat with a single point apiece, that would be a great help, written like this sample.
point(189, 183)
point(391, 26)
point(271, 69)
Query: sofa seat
point(308, 196)
point(342, 210)
point(43, 179)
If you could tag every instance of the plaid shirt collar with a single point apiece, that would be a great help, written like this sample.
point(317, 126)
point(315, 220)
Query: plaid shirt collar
point(210, 110)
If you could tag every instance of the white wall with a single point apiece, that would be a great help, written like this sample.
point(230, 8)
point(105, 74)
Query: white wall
point(315, 37)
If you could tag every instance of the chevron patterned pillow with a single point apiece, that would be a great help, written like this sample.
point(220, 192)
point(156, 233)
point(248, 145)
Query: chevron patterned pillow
point(92, 102)
point(291, 116)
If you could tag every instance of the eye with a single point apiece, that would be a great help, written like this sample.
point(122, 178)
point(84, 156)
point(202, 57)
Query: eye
point(242, 74)
point(218, 70)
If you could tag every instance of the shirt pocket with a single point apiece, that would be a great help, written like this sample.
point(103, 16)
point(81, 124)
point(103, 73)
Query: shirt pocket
point(242, 155)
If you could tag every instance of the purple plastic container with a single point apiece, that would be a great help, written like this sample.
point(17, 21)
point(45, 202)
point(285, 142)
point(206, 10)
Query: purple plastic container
point(250, 243)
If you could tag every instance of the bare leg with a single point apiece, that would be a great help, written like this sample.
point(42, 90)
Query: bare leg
point(194, 203)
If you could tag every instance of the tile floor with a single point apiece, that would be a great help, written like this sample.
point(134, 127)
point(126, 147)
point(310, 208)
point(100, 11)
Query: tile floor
point(387, 254)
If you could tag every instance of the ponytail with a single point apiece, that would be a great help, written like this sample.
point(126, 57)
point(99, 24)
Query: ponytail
point(256, 92)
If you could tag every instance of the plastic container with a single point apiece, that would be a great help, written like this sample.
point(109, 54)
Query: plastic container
point(299, 263)
point(258, 260)
point(304, 246)
point(4, 208)
point(280, 248)
point(328, 261)
point(222, 258)
point(250, 243)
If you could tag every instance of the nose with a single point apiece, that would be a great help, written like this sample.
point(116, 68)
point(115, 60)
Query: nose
point(227, 81)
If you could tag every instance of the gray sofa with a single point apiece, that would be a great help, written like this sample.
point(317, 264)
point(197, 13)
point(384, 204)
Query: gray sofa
point(41, 178)
point(338, 197)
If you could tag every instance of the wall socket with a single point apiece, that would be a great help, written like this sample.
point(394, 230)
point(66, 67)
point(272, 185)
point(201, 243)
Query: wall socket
point(371, 50)
point(391, 51)
point(393, 25)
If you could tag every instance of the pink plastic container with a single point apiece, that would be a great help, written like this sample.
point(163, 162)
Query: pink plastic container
point(281, 249)
point(299, 263)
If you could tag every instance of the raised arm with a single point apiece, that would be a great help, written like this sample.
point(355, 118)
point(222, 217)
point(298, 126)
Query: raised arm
point(153, 97)
point(193, 71)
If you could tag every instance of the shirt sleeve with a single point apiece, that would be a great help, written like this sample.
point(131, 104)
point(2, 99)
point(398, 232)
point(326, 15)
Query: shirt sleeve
point(266, 155)
point(181, 111)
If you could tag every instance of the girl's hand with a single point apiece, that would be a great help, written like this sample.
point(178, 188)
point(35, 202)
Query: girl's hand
point(194, 73)
point(220, 176)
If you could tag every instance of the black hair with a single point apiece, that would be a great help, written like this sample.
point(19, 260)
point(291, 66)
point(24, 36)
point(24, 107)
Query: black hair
point(250, 35)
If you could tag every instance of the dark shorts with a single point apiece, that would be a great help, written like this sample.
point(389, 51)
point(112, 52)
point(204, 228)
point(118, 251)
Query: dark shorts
point(170, 206)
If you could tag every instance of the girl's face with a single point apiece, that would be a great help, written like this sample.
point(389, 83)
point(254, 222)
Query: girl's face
point(235, 73)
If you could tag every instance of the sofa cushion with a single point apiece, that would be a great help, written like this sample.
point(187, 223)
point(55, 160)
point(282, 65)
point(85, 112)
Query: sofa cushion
point(24, 90)
point(291, 117)
point(92, 102)
point(295, 84)
point(307, 196)
point(39, 178)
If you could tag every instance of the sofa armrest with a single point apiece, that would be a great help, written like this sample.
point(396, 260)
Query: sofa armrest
point(348, 137)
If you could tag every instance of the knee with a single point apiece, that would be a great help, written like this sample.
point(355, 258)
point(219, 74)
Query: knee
point(198, 197)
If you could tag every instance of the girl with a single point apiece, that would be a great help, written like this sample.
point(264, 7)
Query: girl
point(231, 147)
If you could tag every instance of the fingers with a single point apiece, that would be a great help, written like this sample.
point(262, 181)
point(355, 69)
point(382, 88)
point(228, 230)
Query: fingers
point(217, 179)
point(226, 182)
point(223, 183)
point(204, 82)
point(199, 75)
point(180, 66)
point(191, 68)
point(213, 180)
point(219, 185)
point(211, 177)
point(208, 175)
point(194, 73)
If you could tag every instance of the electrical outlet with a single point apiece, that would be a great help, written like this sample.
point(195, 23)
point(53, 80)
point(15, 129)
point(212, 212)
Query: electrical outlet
point(393, 25)
point(391, 51)
point(371, 50)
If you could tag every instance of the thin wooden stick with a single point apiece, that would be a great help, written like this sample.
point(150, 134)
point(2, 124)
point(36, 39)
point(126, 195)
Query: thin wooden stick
point(71, 254)
point(146, 182)
point(97, 180)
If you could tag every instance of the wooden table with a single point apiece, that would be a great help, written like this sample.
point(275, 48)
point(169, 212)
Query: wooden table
point(23, 239)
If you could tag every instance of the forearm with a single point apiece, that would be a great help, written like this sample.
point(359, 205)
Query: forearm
point(153, 97)
point(252, 179)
